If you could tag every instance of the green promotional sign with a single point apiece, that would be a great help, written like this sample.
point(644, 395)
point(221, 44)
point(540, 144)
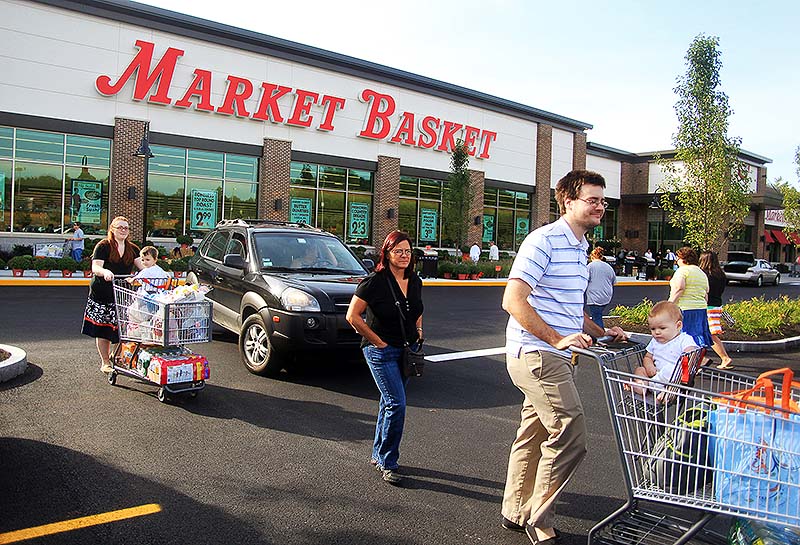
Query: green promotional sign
point(523, 225)
point(203, 212)
point(488, 228)
point(359, 220)
point(85, 203)
point(598, 232)
point(427, 224)
point(2, 197)
point(300, 210)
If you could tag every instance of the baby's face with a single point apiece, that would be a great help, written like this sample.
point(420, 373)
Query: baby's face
point(664, 328)
point(148, 261)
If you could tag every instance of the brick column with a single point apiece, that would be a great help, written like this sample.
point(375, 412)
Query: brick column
point(759, 246)
point(385, 198)
point(274, 175)
point(127, 171)
point(476, 182)
point(633, 226)
point(540, 212)
point(578, 150)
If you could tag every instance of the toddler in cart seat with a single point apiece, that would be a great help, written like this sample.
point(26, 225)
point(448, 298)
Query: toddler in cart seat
point(669, 342)
point(152, 274)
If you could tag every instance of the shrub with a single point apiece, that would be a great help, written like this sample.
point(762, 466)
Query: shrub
point(472, 268)
point(461, 268)
point(446, 267)
point(164, 264)
point(66, 264)
point(505, 255)
point(636, 315)
point(85, 265)
point(45, 264)
point(2, 263)
point(22, 249)
point(89, 244)
point(184, 239)
point(21, 262)
point(180, 265)
point(758, 315)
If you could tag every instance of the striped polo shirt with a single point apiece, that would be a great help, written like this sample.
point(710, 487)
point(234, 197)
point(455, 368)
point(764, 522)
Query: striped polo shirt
point(553, 262)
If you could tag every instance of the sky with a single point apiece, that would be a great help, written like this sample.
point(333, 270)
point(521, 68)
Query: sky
point(612, 64)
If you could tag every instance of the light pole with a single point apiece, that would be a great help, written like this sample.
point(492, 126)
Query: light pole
point(655, 204)
point(144, 152)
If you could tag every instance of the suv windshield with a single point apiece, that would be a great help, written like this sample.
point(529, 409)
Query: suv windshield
point(306, 252)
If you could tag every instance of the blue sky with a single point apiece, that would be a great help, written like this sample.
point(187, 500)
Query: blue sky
point(611, 64)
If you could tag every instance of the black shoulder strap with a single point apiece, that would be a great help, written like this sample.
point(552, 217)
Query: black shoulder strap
point(400, 310)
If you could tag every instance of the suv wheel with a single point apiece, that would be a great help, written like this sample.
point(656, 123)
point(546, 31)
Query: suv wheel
point(256, 350)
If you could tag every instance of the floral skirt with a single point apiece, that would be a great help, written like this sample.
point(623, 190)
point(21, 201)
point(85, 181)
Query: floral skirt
point(100, 320)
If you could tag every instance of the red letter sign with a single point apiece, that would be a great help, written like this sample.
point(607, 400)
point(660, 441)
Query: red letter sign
point(448, 143)
point(376, 116)
point(302, 106)
point(406, 128)
point(201, 87)
point(233, 96)
point(268, 109)
point(331, 104)
point(144, 82)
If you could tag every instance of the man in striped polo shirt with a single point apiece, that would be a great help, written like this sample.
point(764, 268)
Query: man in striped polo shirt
point(545, 298)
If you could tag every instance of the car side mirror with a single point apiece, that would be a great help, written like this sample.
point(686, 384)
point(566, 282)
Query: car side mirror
point(368, 264)
point(234, 260)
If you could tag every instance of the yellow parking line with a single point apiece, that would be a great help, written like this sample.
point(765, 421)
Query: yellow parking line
point(82, 522)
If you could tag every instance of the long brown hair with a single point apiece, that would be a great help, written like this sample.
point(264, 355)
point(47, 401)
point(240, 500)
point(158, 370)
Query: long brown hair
point(130, 252)
point(393, 239)
point(709, 263)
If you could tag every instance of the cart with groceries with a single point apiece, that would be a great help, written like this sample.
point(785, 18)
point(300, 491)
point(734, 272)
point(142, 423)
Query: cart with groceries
point(157, 318)
point(709, 442)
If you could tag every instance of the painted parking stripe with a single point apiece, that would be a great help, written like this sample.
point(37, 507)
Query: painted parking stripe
point(82, 522)
point(468, 354)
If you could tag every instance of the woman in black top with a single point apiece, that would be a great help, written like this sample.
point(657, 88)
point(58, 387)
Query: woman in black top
point(114, 255)
point(716, 285)
point(383, 341)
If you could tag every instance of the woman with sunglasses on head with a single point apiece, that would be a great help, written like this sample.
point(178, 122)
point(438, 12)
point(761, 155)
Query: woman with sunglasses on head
point(114, 255)
point(394, 279)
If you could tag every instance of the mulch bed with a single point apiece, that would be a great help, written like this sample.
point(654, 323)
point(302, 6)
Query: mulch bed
point(791, 330)
point(4, 355)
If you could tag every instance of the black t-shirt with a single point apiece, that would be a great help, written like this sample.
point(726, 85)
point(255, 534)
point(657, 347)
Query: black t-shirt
point(100, 290)
point(382, 315)
point(716, 285)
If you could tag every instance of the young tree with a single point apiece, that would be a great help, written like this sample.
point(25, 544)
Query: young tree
point(791, 198)
point(705, 188)
point(457, 195)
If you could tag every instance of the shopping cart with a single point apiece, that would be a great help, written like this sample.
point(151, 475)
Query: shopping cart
point(153, 332)
point(692, 451)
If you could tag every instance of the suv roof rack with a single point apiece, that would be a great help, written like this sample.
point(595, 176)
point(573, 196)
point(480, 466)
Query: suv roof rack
point(253, 222)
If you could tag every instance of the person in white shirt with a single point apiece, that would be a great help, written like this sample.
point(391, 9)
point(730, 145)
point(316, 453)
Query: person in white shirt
point(648, 254)
point(600, 289)
point(494, 252)
point(152, 273)
point(475, 253)
point(669, 342)
point(76, 241)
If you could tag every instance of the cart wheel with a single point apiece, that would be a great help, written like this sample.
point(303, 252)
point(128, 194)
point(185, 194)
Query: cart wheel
point(162, 395)
point(112, 378)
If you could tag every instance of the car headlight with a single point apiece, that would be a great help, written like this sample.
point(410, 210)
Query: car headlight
point(294, 299)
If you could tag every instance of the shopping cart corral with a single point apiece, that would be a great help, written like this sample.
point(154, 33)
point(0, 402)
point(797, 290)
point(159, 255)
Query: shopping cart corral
point(714, 443)
point(156, 319)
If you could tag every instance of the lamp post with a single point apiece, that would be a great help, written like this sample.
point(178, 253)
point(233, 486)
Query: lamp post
point(655, 204)
point(144, 152)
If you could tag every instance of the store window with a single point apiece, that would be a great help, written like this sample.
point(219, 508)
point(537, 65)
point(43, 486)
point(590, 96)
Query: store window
point(49, 179)
point(336, 199)
point(420, 210)
point(506, 217)
point(189, 190)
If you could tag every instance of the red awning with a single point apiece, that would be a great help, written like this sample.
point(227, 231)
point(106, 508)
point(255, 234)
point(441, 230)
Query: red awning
point(768, 237)
point(780, 237)
point(795, 237)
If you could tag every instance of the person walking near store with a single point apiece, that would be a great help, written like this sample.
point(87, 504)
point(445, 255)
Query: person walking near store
point(494, 252)
point(601, 285)
point(114, 255)
point(688, 289)
point(76, 241)
point(717, 281)
point(545, 297)
point(394, 280)
point(475, 252)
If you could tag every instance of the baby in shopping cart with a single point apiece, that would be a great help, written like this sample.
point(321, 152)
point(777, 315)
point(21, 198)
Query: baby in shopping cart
point(663, 352)
point(152, 274)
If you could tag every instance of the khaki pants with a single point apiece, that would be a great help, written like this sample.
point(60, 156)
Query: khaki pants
point(551, 439)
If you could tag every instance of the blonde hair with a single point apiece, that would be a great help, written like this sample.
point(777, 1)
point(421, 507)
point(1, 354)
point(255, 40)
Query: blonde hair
point(668, 309)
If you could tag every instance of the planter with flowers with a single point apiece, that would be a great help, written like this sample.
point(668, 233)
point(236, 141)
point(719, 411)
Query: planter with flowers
point(20, 263)
point(179, 267)
point(44, 265)
point(461, 271)
point(85, 266)
point(67, 265)
point(446, 269)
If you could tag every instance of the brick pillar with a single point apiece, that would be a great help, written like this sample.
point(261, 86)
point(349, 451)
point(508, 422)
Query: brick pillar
point(759, 245)
point(385, 198)
point(128, 171)
point(578, 150)
point(633, 226)
point(274, 175)
point(540, 212)
point(475, 232)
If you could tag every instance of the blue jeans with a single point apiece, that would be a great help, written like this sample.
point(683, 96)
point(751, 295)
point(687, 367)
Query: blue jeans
point(77, 253)
point(384, 364)
point(596, 314)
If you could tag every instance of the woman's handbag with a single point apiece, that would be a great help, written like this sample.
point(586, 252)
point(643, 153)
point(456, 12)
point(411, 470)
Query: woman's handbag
point(412, 362)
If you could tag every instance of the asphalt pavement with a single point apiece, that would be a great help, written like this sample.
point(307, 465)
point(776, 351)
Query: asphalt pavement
point(283, 461)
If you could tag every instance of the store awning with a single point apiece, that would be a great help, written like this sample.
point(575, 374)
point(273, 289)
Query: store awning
point(780, 236)
point(795, 238)
point(768, 237)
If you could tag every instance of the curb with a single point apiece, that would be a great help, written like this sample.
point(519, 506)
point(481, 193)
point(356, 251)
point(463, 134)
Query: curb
point(15, 365)
point(779, 345)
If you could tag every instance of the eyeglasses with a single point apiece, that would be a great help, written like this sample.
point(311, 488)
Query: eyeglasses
point(399, 252)
point(122, 228)
point(595, 202)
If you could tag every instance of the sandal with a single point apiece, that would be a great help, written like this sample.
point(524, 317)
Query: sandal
point(726, 367)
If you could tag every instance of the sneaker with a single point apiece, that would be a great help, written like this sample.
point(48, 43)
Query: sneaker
point(106, 368)
point(391, 476)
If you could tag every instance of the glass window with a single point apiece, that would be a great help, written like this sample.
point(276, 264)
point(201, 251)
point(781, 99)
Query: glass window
point(409, 186)
point(40, 146)
point(96, 151)
point(237, 245)
point(217, 245)
point(240, 200)
point(167, 160)
point(359, 180)
point(489, 227)
point(359, 218)
point(164, 205)
point(203, 205)
point(407, 220)
point(205, 164)
point(431, 230)
point(303, 206)
point(505, 228)
point(506, 198)
point(6, 142)
point(303, 174)
point(331, 212)
point(490, 196)
point(86, 198)
point(241, 167)
point(332, 177)
point(5, 195)
point(38, 197)
point(430, 189)
point(523, 201)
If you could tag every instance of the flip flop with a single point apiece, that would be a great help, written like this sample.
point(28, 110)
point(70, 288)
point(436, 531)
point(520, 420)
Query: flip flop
point(726, 367)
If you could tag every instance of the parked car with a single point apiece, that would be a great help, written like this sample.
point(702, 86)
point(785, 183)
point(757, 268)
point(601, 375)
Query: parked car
point(284, 288)
point(744, 267)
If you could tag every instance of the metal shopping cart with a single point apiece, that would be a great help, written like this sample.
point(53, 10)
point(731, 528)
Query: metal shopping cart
point(719, 444)
point(153, 331)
